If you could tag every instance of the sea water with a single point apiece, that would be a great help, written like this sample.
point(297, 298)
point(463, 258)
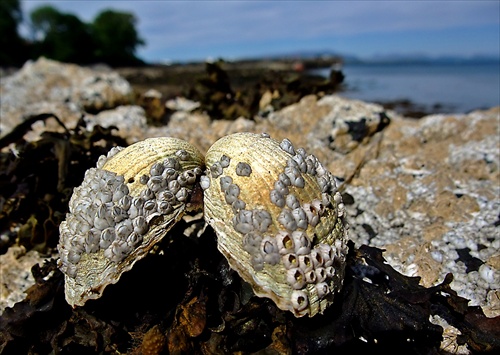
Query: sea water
point(435, 87)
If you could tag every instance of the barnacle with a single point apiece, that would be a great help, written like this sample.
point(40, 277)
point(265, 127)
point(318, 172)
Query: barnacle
point(275, 209)
point(278, 218)
point(123, 208)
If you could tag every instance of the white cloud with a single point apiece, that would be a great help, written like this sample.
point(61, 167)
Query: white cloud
point(166, 25)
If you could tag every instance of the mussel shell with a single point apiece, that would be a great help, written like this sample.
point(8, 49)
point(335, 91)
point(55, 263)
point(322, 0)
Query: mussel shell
point(294, 256)
point(120, 212)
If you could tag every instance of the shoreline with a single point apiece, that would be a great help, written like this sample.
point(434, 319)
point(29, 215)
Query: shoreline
point(251, 77)
point(179, 80)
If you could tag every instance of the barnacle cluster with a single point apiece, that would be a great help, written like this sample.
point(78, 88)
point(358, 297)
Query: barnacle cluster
point(122, 208)
point(278, 218)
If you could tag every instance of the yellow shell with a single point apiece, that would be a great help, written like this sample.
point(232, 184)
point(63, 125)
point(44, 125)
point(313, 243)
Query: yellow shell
point(123, 208)
point(278, 218)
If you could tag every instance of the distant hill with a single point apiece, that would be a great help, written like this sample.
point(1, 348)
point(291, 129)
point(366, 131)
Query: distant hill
point(422, 58)
point(394, 58)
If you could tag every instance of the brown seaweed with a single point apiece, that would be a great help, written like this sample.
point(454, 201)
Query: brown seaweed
point(37, 178)
point(200, 306)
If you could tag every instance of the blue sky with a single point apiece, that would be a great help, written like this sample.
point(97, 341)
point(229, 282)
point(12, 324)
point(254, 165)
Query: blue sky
point(197, 30)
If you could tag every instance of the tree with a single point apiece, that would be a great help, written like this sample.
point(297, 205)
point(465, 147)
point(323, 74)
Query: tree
point(14, 50)
point(111, 38)
point(116, 38)
point(61, 36)
point(44, 20)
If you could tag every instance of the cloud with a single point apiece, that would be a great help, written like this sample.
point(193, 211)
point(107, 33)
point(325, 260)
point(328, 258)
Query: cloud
point(279, 19)
point(183, 25)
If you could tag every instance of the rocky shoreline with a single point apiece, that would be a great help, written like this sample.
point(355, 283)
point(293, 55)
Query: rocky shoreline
point(177, 80)
point(425, 191)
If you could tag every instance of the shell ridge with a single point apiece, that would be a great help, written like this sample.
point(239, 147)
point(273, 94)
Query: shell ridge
point(297, 283)
point(124, 206)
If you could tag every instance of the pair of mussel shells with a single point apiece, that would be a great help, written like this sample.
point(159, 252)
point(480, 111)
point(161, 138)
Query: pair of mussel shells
point(276, 211)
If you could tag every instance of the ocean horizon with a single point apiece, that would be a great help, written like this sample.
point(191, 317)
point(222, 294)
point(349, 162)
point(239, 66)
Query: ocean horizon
point(432, 87)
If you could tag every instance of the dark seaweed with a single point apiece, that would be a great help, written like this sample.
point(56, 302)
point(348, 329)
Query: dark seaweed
point(37, 178)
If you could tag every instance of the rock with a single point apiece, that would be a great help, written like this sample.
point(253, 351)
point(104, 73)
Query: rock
point(15, 274)
point(66, 90)
point(350, 122)
point(265, 102)
point(181, 126)
point(429, 196)
point(130, 121)
point(151, 100)
point(182, 104)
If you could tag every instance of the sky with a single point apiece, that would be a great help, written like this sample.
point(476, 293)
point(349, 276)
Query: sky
point(229, 29)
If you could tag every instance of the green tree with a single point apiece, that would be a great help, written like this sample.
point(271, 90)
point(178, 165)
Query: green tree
point(116, 38)
point(44, 19)
point(61, 36)
point(14, 50)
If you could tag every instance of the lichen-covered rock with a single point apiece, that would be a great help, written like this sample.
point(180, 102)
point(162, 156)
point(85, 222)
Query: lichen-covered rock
point(15, 274)
point(66, 90)
point(129, 119)
point(182, 104)
point(428, 194)
point(279, 220)
point(351, 122)
point(122, 209)
point(336, 122)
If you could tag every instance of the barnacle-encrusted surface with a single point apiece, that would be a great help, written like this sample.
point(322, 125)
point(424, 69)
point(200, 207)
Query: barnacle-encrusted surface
point(122, 209)
point(278, 218)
